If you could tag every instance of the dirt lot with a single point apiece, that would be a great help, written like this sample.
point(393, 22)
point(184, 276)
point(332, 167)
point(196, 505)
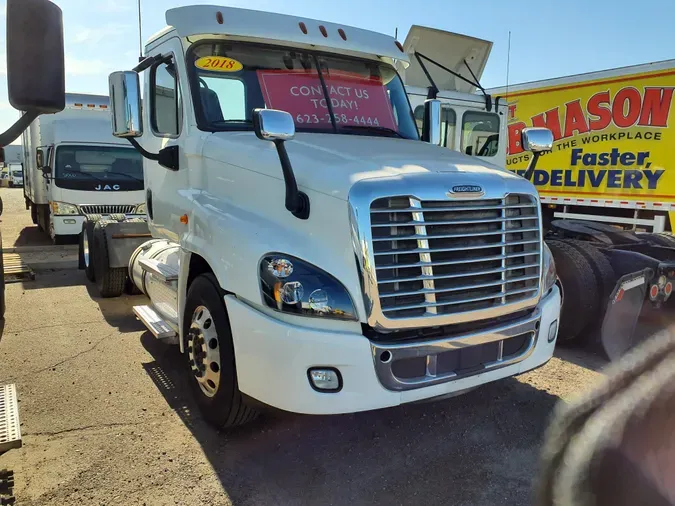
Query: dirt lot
point(107, 419)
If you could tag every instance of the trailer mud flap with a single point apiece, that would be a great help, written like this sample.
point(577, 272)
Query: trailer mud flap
point(624, 308)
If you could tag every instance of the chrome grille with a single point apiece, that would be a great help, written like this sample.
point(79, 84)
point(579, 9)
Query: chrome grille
point(107, 209)
point(458, 256)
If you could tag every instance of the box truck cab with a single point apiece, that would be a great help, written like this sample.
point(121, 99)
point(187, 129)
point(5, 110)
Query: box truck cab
point(309, 250)
point(15, 175)
point(74, 167)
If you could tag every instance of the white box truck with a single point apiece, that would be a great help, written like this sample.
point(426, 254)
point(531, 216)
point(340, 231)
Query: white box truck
point(73, 166)
point(307, 249)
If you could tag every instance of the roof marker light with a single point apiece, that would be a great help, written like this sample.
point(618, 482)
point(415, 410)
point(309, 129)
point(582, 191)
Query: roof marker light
point(303, 27)
point(342, 34)
point(399, 46)
point(219, 17)
point(323, 31)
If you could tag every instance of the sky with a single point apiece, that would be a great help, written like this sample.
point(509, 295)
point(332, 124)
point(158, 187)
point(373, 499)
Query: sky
point(548, 39)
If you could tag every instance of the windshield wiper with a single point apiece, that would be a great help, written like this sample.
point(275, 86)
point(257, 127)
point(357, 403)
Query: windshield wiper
point(78, 174)
point(369, 128)
point(123, 174)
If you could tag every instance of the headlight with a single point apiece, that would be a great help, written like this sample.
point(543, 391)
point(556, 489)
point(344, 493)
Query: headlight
point(293, 286)
point(63, 208)
point(548, 274)
point(140, 209)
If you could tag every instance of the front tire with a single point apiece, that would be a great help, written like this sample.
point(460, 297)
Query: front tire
point(210, 354)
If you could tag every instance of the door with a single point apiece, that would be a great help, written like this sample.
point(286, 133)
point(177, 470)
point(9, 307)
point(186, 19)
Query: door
point(165, 127)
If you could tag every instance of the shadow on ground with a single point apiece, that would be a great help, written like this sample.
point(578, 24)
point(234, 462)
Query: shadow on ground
point(31, 236)
point(479, 448)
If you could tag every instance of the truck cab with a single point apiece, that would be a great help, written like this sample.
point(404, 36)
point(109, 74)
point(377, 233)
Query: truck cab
point(472, 122)
point(309, 250)
point(75, 167)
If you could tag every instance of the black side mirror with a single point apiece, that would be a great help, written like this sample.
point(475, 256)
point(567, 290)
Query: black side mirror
point(35, 61)
point(46, 171)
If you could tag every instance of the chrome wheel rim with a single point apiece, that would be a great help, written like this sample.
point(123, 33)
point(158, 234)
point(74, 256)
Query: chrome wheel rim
point(85, 248)
point(204, 351)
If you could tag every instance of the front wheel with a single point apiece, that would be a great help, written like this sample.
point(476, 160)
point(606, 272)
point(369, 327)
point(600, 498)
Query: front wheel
point(210, 353)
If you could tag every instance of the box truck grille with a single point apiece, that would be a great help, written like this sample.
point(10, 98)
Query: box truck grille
point(459, 256)
point(107, 209)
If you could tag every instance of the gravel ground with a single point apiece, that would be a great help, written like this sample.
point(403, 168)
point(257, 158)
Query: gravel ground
point(107, 419)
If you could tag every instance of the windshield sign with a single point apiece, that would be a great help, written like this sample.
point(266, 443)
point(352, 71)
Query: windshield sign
point(355, 100)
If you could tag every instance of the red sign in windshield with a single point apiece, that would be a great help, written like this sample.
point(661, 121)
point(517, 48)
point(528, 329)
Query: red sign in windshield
point(355, 100)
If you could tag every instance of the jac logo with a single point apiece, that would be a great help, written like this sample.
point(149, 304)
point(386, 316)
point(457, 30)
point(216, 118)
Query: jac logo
point(467, 188)
point(107, 187)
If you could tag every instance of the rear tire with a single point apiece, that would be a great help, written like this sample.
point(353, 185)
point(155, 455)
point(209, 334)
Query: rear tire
point(109, 281)
point(210, 353)
point(580, 288)
point(659, 239)
point(602, 270)
point(87, 250)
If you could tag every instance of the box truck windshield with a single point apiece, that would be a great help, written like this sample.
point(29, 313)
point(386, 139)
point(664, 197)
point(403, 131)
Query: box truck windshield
point(366, 97)
point(78, 167)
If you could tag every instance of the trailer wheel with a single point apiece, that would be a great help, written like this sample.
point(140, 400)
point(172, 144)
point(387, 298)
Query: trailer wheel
point(109, 281)
point(210, 353)
point(581, 291)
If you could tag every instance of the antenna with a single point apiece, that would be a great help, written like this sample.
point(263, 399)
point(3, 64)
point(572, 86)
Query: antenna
point(396, 33)
point(140, 34)
point(508, 65)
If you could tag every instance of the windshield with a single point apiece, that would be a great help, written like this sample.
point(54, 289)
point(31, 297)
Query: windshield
point(17, 173)
point(366, 97)
point(98, 167)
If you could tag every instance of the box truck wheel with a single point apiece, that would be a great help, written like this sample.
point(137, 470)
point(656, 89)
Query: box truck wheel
point(605, 276)
point(579, 285)
point(109, 281)
point(659, 239)
point(210, 354)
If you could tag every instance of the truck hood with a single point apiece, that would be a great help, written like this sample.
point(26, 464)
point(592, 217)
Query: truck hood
point(332, 164)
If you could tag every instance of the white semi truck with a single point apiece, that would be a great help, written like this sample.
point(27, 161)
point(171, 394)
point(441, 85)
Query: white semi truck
point(307, 250)
point(611, 279)
point(73, 166)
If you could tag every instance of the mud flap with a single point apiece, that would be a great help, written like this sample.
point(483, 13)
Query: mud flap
point(624, 308)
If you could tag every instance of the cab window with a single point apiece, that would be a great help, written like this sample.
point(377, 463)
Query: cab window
point(448, 124)
point(166, 100)
point(480, 134)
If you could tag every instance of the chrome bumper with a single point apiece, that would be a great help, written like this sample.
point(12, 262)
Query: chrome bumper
point(441, 359)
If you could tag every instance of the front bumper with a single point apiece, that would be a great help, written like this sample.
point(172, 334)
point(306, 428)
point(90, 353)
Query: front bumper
point(273, 358)
point(72, 224)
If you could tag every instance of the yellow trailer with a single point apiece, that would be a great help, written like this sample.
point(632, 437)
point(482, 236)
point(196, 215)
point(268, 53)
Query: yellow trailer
point(614, 144)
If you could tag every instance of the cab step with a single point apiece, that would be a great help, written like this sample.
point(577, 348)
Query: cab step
point(154, 322)
point(10, 431)
point(163, 271)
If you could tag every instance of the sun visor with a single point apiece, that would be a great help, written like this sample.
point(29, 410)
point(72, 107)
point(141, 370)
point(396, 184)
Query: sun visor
point(450, 50)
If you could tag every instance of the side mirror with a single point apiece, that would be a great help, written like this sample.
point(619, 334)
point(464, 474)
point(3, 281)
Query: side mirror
point(46, 170)
point(278, 126)
point(536, 139)
point(39, 158)
point(431, 130)
point(273, 125)
point(35, 61)
point(125, 104)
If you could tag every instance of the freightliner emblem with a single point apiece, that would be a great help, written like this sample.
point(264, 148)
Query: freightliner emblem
point(466, 190)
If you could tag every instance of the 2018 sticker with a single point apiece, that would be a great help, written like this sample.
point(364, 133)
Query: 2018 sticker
point(218, 64)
